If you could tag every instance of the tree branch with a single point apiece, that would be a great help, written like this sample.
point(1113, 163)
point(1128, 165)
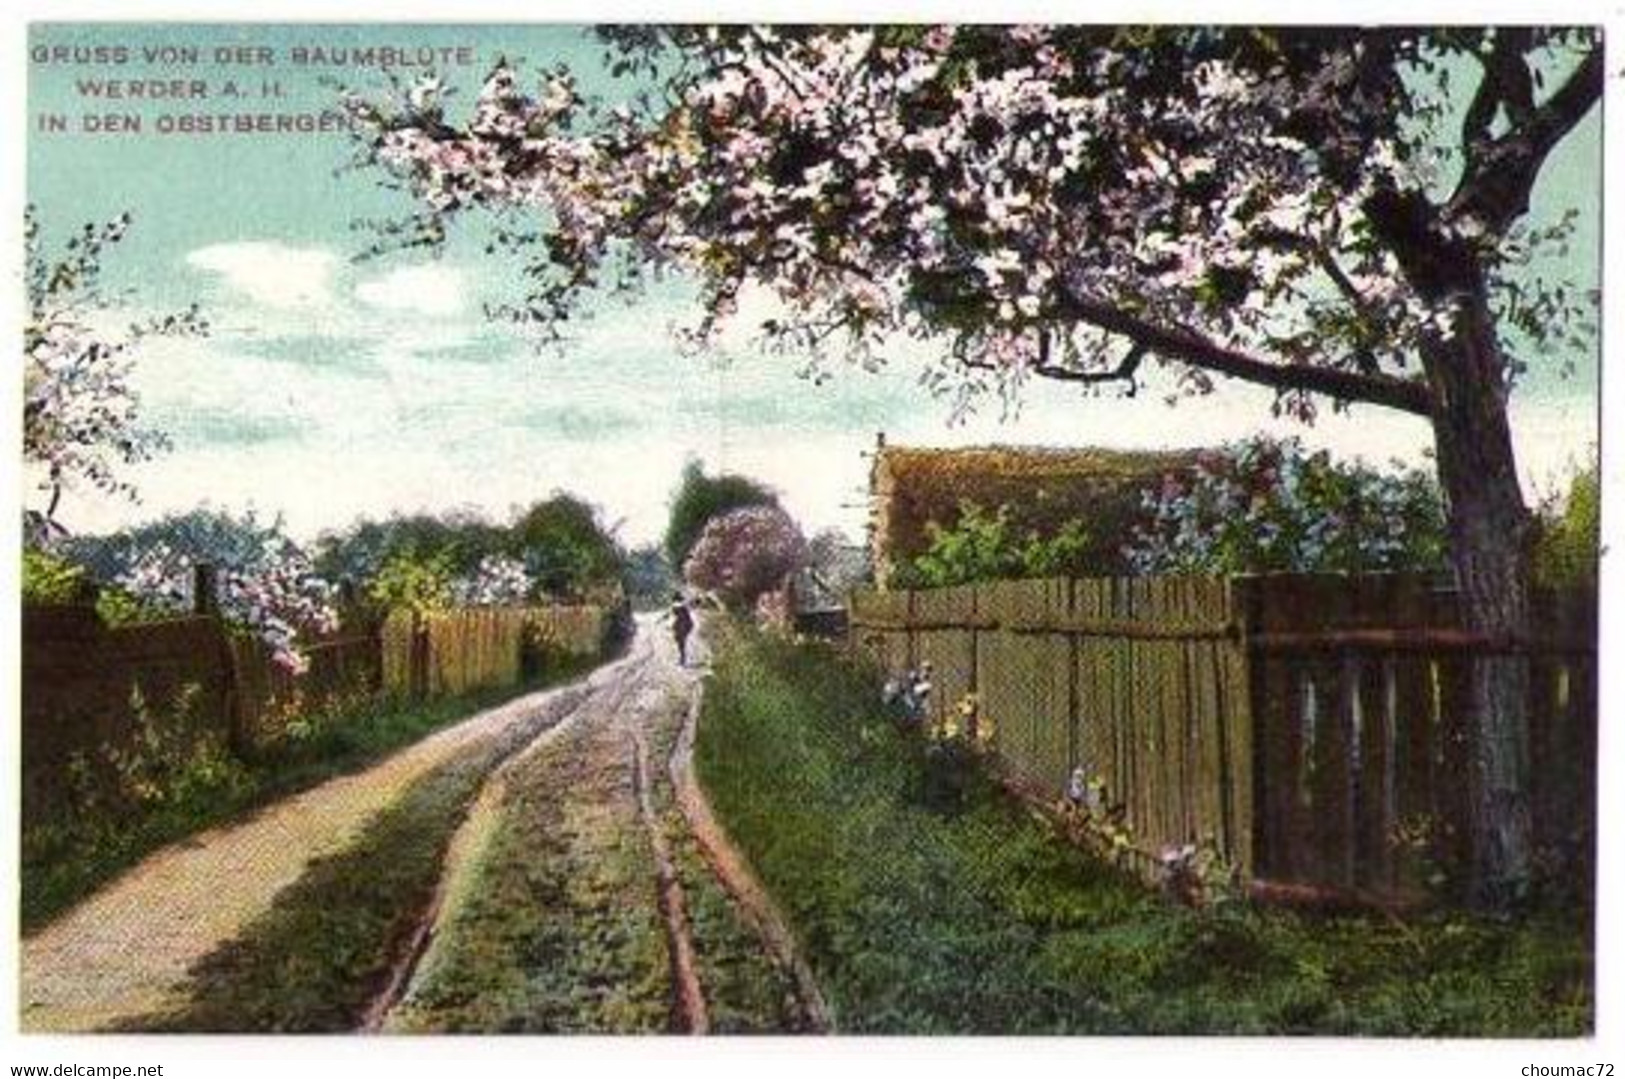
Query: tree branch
point(1327, 261)
point(1495, 188)
point(1123, 372)
point(1187, 346)
point(1507, 83)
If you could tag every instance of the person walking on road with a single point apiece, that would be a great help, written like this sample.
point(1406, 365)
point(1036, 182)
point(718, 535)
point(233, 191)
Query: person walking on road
point(682, 624)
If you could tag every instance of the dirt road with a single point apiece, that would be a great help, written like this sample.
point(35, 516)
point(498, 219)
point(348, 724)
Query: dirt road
point(577, 895)
point(592, 890)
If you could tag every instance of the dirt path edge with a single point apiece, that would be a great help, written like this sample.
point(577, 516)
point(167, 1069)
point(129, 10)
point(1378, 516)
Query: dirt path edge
point(689, 1013)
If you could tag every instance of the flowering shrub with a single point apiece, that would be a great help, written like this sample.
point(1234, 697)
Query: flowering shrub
point(266, 583)
point(498, 581)
point(701, 498)
point(744, 553)
point(1094, 822)
point(276, 596)
point(1197, 875)
point(1267, 505)
point(1194, 874)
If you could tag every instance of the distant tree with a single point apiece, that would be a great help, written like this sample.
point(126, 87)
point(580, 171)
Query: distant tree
point(458, 539)
point(745, 553)
point(699, 498)
point(1264, 505)
point(410, 581)
point(649, 577)
point(565, 547)
point(557, 546)
point(81, 419)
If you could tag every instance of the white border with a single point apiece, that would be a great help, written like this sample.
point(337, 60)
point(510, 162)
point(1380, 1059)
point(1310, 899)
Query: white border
point(251, 1057)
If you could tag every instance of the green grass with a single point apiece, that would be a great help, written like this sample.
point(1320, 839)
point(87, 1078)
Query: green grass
point(557, 931)
point(65, 860)
point(921, 920)
point(745, 990)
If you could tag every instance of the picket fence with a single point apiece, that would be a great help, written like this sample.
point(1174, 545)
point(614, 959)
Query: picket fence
point(1314, 728)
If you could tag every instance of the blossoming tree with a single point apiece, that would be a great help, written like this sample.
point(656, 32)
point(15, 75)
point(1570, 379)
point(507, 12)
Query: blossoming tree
point(266, 583)
point(1317, 211)
point(81, 419)
point(498, 581)
point(746, 553)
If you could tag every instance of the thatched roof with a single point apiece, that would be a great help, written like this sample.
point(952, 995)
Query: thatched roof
point(1044, 488)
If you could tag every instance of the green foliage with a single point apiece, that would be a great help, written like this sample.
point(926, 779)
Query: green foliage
point(565, 547)
point(49, 578)
point(459, 540)
point(895, 901)
point(983, 546)
point(117, 607)
point(1568, 534)
point(410, 582)
point(700, 498)
point(174, 757)
point(649, 578)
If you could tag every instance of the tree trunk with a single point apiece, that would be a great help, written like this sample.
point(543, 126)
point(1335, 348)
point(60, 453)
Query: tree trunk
point(1489, 530)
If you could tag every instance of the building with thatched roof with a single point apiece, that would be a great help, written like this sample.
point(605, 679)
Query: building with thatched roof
point(1044, 488)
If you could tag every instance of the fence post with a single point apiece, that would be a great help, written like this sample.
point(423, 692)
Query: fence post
point(205, 589)
point(1246, 784)
point(418, 658)
point(973, 722)
point(238, 736)
point(1074, 736)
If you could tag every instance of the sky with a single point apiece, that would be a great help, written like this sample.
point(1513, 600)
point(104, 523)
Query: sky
point(332, 389)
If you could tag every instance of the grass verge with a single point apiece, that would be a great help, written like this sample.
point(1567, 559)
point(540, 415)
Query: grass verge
point(64, 861)
point(745, 990)
point(556, 929)
point(979, 920)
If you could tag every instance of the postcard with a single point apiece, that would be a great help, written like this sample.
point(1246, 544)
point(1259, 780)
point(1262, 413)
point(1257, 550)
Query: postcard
point(823, 530)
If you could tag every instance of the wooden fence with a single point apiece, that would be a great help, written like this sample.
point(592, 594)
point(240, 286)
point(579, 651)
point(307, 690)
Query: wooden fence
point(90, 689)
point(1314, 728)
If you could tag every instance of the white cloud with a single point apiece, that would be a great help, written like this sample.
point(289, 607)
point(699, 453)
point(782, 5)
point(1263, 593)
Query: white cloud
point(272, 274)
point(429, 290)
point(425, 423)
